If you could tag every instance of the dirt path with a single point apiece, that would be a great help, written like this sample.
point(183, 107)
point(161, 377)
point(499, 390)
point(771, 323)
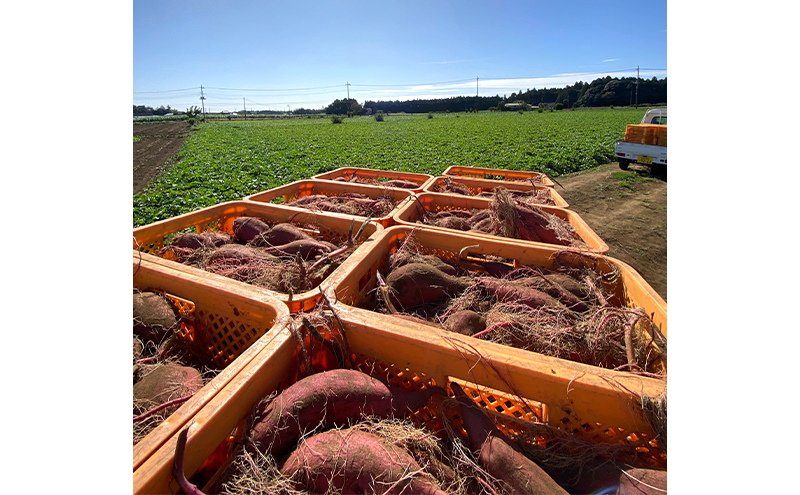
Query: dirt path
point(628, 210)
point(155, 150)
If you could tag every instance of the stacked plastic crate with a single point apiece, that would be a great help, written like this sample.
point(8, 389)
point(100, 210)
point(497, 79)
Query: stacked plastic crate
point(593, 404)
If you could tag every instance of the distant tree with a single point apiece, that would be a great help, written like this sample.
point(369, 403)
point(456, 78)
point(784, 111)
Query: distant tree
point(355, 108)
point(193, 111)
point(340, 107)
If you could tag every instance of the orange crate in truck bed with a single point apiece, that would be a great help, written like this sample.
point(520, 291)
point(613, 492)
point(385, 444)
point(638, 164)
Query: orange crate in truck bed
point(224, 327)
point(284, 195)
point(150, 239)
point(476, 187)
point(501, 175)
point(355, 175)
point(523, 393)
point(646, 134)
point(412, 213)
point(356, 285)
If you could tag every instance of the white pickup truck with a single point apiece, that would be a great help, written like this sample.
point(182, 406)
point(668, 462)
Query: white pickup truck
point(654, 155)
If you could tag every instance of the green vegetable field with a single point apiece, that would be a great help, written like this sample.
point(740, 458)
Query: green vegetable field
point(225, 161)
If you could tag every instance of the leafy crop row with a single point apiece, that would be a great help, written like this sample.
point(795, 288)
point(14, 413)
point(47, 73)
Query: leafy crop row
point(225, 161)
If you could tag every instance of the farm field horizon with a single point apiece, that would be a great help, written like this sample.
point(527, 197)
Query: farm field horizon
point(227, 160)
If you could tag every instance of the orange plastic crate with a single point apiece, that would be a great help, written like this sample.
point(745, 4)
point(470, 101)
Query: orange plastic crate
point(299, 189)
point(149, 239)
point(573, 398)
point(646, 134)
point(225, 327)
point(411, 212)
point(356, 284)
point(635, 133)
point(375, 177)
point(501, 174)
point(477, 186)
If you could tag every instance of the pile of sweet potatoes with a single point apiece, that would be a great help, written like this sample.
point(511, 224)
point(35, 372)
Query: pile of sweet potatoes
point(507, 216)
point(534, 196)
point(166, 371)
point(282, 257)
point(562, 311)
point(349, 204)
point(343, 431)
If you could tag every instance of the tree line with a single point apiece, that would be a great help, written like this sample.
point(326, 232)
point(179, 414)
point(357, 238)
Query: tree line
point(602, 92)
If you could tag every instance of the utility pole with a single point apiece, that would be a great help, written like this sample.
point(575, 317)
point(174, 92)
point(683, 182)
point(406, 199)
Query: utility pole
point(203, 102)
point(245, 108)
point(476, 86)
point(637, 86)
point(348, 90)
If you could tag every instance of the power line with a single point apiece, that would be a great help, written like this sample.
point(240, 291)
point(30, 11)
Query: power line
point(165, 91)
point(287, 89)
point(406, 85)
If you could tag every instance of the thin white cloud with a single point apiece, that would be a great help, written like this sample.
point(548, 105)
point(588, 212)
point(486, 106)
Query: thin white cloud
point(610, 60)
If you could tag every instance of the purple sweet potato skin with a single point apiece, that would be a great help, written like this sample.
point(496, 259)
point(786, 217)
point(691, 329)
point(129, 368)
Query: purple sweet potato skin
point(499, 457)
point(419, 283)
point(245, 229)
point(330, 398)
point(166, 383)
point(465, 322)
point(306, 248)
point(280, 234)
point(353, 461)
point(505, 291)
point(153, 317)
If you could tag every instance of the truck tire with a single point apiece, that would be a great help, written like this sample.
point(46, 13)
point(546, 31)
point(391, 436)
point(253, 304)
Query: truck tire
point(623, 164)
point(658, 170)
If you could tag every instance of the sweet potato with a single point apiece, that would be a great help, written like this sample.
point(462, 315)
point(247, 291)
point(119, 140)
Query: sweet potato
point(466, 322)
point(306, 248)
point(153, 317)
point(429, 259)
point(354, 461)
point(415, 284)
point(500, 456)
point(230, 253)
point(551, 286)
point(328, 399)
point(280, 234)
point(452, 222)
point(507, 291)
point(538, 221)
point(575, 287)
point(165, 383)
point(245, 229)
point(205, 240)
point(400, 184)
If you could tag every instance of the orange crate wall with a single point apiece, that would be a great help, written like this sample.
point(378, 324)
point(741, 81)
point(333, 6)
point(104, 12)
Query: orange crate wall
point(646, 134)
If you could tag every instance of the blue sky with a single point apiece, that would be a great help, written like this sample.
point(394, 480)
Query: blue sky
point(283, 55)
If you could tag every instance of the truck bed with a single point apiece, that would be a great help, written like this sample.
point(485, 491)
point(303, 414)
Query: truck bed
point(648, 154)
